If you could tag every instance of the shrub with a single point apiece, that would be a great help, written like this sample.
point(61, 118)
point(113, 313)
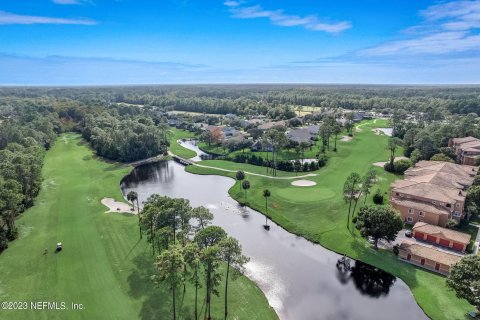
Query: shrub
point(401, 166)
point(451, 224)
point(378, 197)
point(441, 157)
point(396, 250)
point(389, 167)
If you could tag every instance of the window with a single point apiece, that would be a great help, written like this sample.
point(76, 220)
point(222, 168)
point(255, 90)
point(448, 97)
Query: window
point(411, 211)
point(434, 202)
point(409, 219)
point(449, 205)
point(421, 214)
point(458, 205)
point(397, 194)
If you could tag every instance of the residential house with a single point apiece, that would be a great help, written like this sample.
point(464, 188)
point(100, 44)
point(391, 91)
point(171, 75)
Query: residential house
point(427, 257)
point(250, 123)
point(432, 192)
point(467, 149)
point(274, 124)
point(358, 116)
point(441, 236)
point(300, 135)
point(260, 146)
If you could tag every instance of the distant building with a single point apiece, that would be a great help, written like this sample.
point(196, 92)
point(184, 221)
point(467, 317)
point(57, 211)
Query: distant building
point(426, 257)
point(270, 125)
point(432, 192)
point(300, 135)
point(260, 146)
point(467, 149)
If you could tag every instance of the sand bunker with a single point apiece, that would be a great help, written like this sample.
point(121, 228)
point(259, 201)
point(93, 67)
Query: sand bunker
point(303, 183)
point(346, 138)
point(381, 164)
point(115, 206)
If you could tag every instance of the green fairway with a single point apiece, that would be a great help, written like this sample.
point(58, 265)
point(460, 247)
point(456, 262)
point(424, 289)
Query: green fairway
point(319, 213)
point(177, 149)
point(104, 266)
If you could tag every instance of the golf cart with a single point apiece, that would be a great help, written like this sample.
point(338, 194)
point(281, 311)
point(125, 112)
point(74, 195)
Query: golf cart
point(59, 246)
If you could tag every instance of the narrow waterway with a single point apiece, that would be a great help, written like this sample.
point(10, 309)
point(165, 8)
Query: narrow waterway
point(301, 280)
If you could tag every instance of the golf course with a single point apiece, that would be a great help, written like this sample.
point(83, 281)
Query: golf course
point(104, 268)
point(319, 213)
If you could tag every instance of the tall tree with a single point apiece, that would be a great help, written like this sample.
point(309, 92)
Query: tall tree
point(11, 198)
point(393, 143)
point(231, 252)
point(378, 222)
point(191, 254)
point(169, 265)
point(132, 196)
point(203, 216)
point(464, 278)
point(350, 190)
point(208, 240)
point(246, 186)
point(240, 175)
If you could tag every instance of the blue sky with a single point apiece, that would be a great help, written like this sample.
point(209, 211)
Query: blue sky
point(77, 42)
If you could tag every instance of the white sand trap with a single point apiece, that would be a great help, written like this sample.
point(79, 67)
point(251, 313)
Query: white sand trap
point(303, 183)
point(346, 138)
point(381, 164)
point(115, 206)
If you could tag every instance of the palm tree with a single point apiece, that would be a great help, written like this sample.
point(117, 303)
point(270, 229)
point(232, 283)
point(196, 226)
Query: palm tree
point(266, 195)
point(246, 186)
point(240, 175)
point(132, 196)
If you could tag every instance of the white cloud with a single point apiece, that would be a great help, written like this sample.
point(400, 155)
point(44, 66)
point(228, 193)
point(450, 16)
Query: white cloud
point(447, 28)
point(232, 3)
point(68, 2)
point(12, 18)
point(280, 18)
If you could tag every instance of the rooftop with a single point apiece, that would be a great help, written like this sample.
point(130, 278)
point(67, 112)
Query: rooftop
point(444, 232)
point(429, 253)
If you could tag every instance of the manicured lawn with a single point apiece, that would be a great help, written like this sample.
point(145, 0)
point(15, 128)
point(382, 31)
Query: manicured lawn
point(178, 149)
point(104, 265)
point(229, 165)
point(319, 214)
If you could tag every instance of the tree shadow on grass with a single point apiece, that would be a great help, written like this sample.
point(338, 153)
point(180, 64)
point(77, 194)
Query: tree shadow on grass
point(156, 300)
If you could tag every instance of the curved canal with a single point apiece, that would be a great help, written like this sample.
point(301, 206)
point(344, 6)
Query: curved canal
point(301, 280)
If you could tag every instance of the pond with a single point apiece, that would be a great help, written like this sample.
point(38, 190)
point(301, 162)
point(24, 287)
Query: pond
point(301, 280)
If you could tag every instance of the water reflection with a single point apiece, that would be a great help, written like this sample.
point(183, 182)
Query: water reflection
point(301, 280)
point(369, 280)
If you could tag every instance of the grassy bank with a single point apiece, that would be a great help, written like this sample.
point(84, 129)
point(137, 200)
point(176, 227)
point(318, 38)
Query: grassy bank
point(177, 149)
point(104, 266)
point(319, 214)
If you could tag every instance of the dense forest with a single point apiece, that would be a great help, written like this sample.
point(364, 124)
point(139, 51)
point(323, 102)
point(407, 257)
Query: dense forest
point(273, 100)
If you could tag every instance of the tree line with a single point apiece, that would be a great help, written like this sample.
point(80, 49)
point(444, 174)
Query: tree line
point(24, 137)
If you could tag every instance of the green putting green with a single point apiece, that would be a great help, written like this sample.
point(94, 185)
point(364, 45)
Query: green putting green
point(103, 266)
